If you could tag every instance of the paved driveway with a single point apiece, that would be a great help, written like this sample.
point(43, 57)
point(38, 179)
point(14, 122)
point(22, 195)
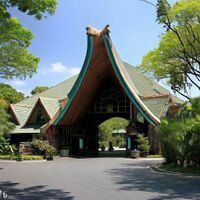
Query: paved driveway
point(94, 179)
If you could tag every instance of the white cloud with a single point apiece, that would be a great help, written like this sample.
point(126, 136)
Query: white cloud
point(18, 83)
point(74, 70)
point(60, 68)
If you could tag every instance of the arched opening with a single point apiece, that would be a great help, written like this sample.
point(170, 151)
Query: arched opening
point(112, 137)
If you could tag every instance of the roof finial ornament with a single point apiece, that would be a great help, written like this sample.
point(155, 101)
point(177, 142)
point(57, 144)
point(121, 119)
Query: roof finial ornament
point(93, 31)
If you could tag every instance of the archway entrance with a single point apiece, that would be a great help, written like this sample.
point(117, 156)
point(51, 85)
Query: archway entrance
point(112, 137)
point(110, 103)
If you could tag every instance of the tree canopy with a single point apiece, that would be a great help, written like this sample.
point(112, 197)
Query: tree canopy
point(177, 58)
point(15, 59)
point(39, 89)
point(37, 8)
point(9, 94)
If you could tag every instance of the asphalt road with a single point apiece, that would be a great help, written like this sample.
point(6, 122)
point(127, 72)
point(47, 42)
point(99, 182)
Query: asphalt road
point(94, 179)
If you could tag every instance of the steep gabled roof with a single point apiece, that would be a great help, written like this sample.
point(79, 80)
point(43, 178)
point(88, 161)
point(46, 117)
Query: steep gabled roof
point(21, 112)
point(51, 105)
point(101, 59)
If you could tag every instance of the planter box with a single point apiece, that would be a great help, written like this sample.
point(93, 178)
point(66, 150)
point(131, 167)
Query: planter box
point(135, 153)
point(49, 158)
point(64, 153)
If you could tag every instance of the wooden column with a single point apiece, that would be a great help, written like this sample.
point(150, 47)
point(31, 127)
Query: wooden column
point(131, 110)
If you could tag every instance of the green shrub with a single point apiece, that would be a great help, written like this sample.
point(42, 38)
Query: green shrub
point(119, 141)
point(8, 157)
point(179, 136)
point(32, 157)
point(24, 157)
point(44, 146)
point(143, 145)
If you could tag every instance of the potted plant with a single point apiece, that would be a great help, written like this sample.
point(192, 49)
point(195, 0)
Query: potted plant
point(143, 145)
point(44, 147)
point(50, 150)
point(19, 157)
point(64, 152)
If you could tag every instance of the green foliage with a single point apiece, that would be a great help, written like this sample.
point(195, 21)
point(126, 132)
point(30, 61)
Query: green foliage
point(3, 104)
point(144, 146)
point(119, 141)
point(4, 144)
point(9, 94)
point(5, 124)
point(5, 147)
point(24, 157)
point(105, 129)
point(8, 157)
point(43, 145)
point(15, 59)
point(39, 89)
point(36, 8)
point(177, 56)
point(180, 136)
point(32, 157)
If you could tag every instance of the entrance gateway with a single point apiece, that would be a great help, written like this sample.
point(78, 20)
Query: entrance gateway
point(105, 88)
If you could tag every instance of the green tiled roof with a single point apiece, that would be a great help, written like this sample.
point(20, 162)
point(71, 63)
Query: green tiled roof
point(33, 128)
point(21, 111)
point(145, 85)
point(158, 106)
point(51, 105)
point(59, 91)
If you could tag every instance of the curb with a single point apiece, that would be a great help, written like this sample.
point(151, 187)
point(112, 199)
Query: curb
point(157, 169)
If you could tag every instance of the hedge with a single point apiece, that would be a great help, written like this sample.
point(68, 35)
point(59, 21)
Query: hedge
point(24, 157)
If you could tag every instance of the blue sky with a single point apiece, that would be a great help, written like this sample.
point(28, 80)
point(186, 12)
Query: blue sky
point(60, 40)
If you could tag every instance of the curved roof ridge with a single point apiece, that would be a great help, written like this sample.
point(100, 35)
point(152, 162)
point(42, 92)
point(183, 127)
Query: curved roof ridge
point(115, 60)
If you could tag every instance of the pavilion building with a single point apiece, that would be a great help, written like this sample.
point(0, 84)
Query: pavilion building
point(69, 113)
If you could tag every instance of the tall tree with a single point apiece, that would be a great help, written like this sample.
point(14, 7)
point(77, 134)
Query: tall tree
point(177, 58)
point(39, 89)
point(15, 59)
point(9, 94)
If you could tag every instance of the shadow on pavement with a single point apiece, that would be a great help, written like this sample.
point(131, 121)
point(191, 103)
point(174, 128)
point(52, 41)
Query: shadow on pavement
point(15, 192)
point(135, 177)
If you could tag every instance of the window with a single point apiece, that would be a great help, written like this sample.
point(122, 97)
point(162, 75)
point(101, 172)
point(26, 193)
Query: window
point(40, 117)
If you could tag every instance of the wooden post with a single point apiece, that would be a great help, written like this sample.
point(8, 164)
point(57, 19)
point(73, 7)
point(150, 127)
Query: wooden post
point(131, 111)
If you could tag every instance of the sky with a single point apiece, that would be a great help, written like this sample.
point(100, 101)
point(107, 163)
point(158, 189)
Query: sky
point(60, 40)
